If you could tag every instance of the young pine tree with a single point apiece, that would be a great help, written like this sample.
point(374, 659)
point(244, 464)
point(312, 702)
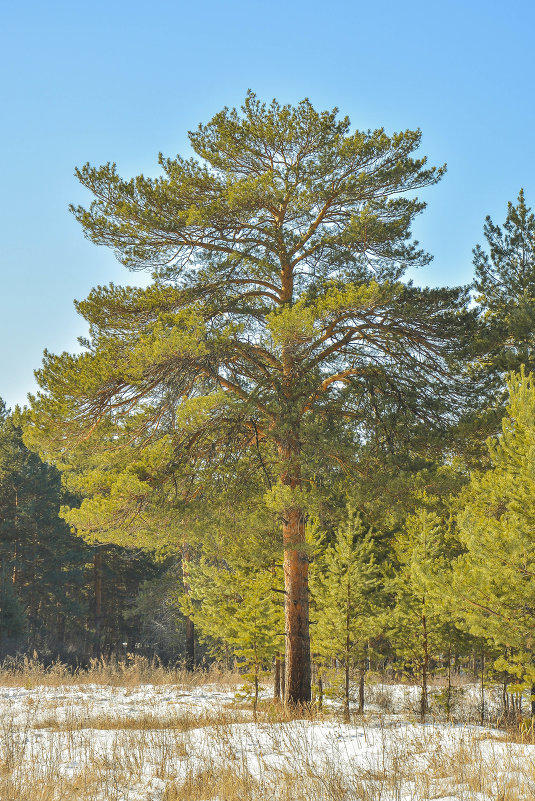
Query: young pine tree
point(419, 629)
point(238, 605)
point(494, 579)
point(345, 589)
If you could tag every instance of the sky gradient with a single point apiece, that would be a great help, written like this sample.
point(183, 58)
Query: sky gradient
point(122, 81)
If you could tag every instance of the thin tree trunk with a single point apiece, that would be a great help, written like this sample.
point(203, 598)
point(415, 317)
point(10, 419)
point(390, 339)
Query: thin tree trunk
point(97, 565)
point(32, 596)
point(347, 716)
point(277, 679)
point(255, 702)
point(425, 664)
point(320, 691)
point(533, 700)
point(15, 576)
point(348, 653)
point(448, 697)
point(190, 627)
point(362, 686)
point(283, 680)
point(482, 688)
point(190, 645)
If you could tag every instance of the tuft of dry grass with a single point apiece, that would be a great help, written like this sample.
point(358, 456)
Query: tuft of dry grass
point(131, 671)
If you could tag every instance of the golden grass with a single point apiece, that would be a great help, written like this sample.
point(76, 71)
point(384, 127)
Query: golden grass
point(132, 671)
point(57, 749)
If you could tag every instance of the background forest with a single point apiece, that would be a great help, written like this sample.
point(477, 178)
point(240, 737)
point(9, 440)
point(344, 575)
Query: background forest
point(280, 375)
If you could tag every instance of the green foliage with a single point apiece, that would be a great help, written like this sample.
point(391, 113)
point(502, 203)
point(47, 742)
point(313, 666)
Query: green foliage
point(505, 282)
point(417, 621)
point(13, 620)
point(41, 560)
point(236, 604)
point(494, 578)
point(275, 301)
point(345, 583)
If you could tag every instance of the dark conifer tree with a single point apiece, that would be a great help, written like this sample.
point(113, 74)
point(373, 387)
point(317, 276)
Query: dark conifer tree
point(505, 283)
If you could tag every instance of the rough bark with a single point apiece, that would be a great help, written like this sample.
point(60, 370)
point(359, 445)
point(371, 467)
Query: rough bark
point(298, 669)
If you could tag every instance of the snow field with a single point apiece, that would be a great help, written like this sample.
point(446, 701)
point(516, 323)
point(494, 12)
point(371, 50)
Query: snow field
point(167, 743)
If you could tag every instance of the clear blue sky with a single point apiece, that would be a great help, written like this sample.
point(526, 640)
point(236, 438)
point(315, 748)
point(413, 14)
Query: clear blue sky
point(120, 81)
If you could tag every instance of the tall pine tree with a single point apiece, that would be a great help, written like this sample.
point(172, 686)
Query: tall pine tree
point(276, 309)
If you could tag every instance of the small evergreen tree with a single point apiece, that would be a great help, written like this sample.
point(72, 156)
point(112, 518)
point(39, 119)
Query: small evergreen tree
point(237, 605)
point(345, 585)
point(494, 578)
point(417, 620)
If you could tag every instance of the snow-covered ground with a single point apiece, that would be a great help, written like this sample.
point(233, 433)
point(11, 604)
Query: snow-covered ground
point(166, 743)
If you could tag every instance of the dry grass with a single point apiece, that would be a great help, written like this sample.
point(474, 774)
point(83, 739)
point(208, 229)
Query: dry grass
point(132, 671)
point(179, 722)
point(55, 745)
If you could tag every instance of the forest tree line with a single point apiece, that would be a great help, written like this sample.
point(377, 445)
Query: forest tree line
point(311, 458)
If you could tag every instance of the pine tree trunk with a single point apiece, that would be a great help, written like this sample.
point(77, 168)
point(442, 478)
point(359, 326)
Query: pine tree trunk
point(347, 717)
point(482, 687)
point(15, 576)
point(348, 653)
point(298, 669)
point(298, 664)
point(448, 697)
point(361, 686)
point(296, 613)
point(256, 669)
